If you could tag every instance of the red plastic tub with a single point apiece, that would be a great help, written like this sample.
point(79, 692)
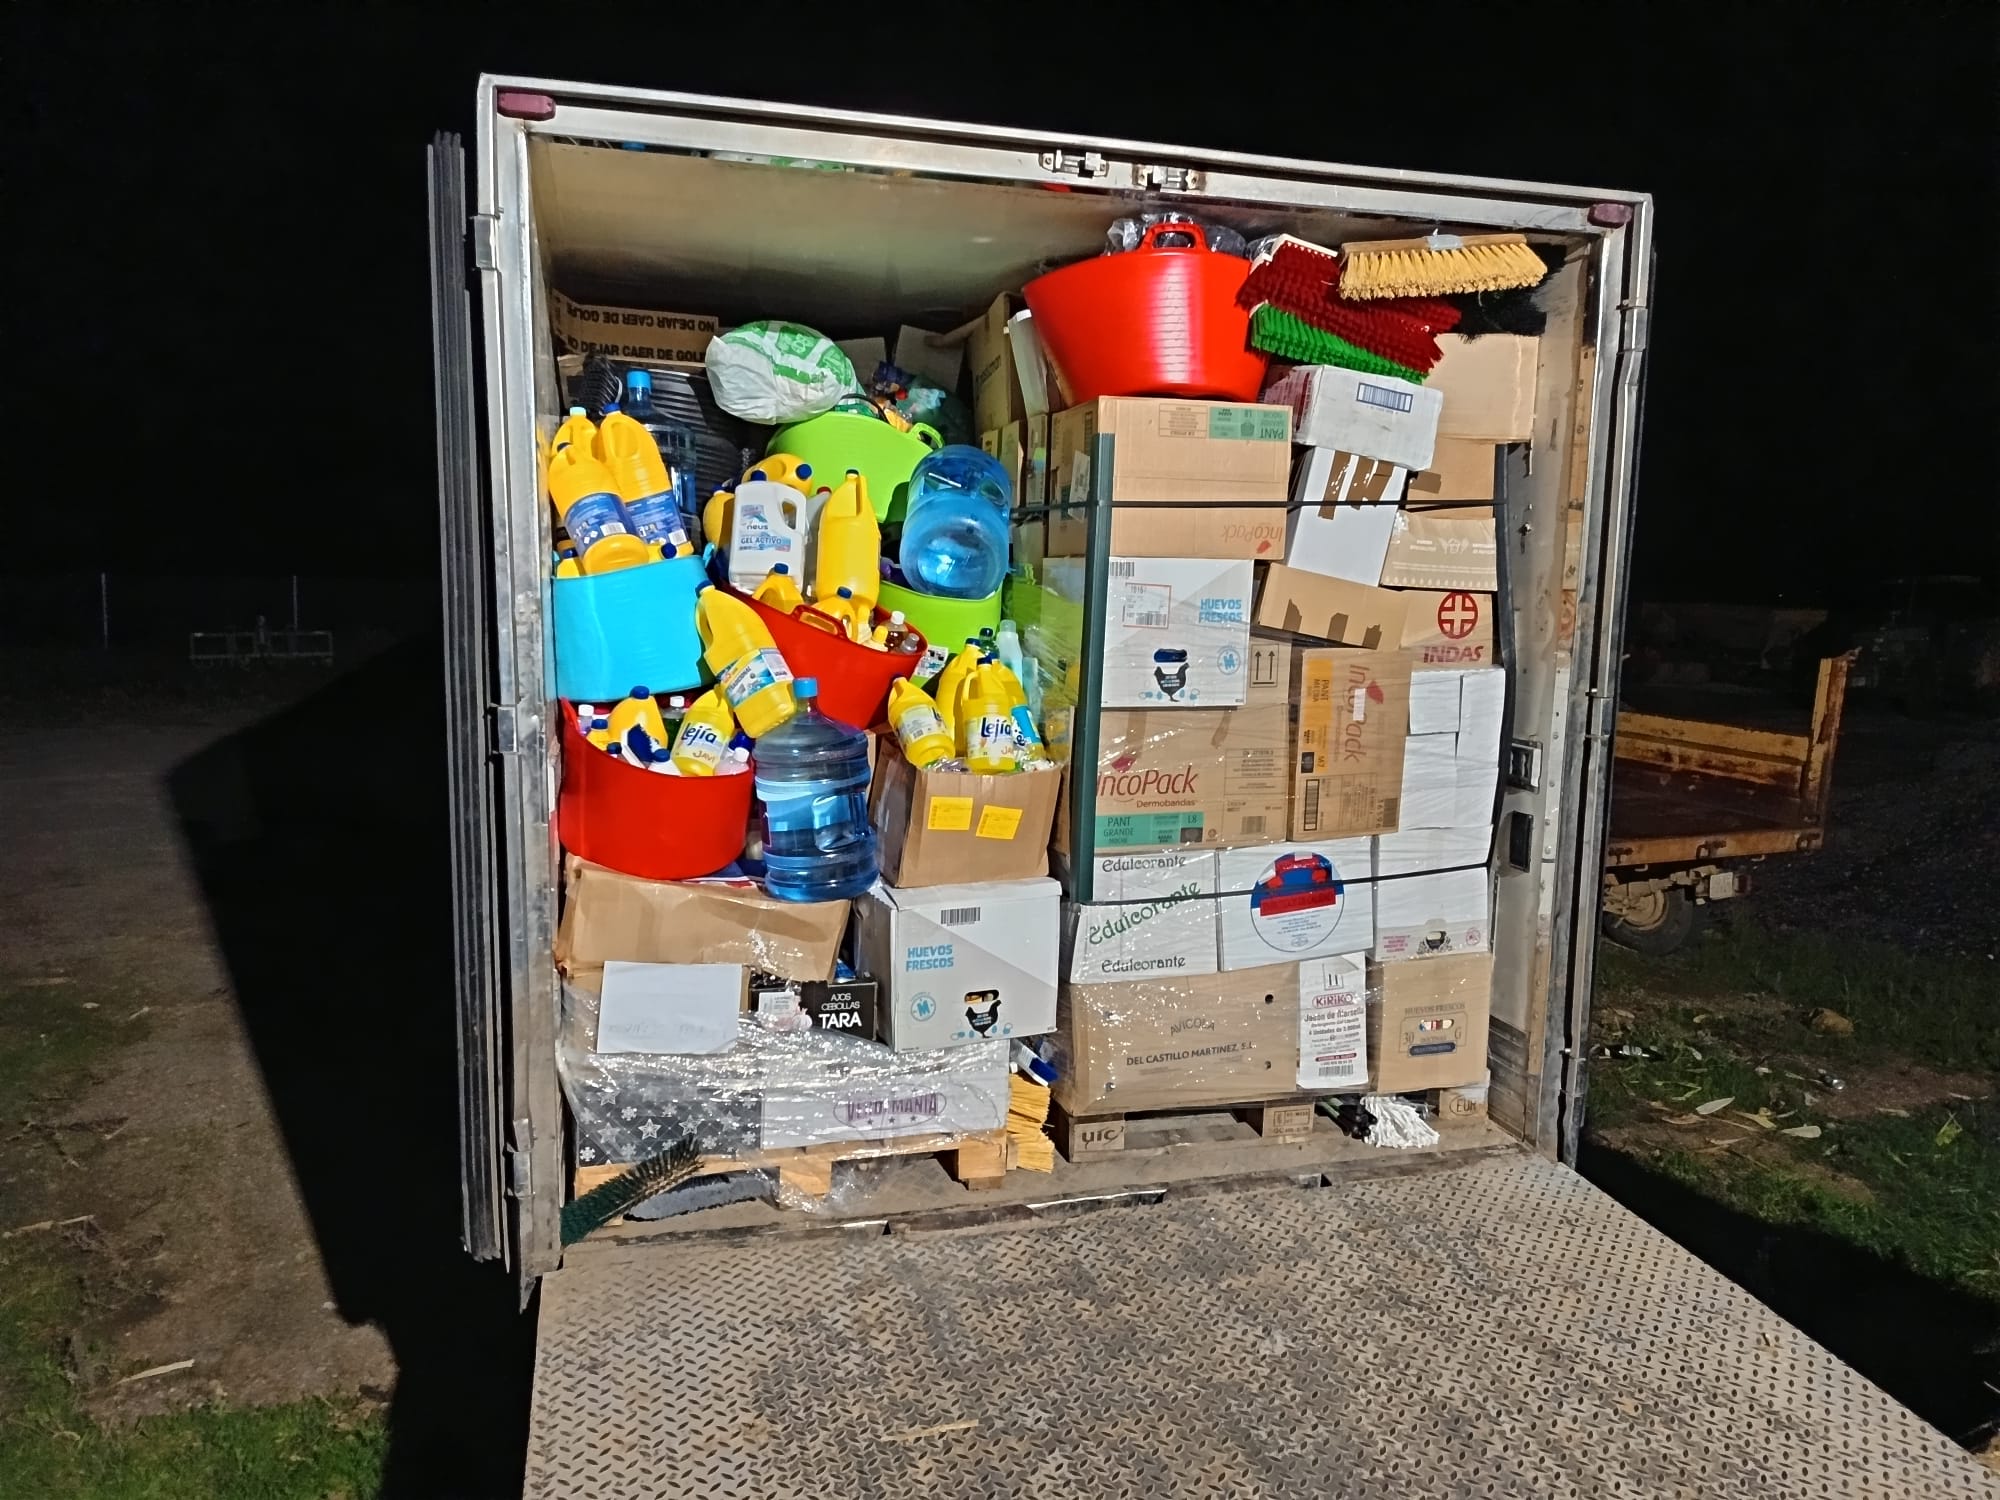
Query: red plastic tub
point(1160, 320)
point(853, 680)
point(645, 824)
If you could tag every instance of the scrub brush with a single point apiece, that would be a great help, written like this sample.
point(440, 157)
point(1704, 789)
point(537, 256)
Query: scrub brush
point(1276, 331)
point(628, 1190)
point(1438, 265)
point(1303, 279)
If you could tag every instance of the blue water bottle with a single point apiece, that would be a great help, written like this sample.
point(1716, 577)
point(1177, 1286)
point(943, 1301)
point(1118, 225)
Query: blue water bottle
point(955, 538)
point(812, 780)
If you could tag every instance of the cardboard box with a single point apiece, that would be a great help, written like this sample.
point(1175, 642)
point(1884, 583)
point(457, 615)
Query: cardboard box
point(952, 827)
point(1212, 460)
point(608, 915)
point(1178, 1043)
point(960, 1091)
point(1460, 469)
point(848, 1006)
point(1333, 1022)
point(1427, 1023)
point(1448, 629)
point(1443, 550)
point(1354, 712)
point(937, 357)
point(962, 963)
point(1462, 1107)
point(1488, 386)
point(630, 334)
point(1376, 416)
point(1176, 630)
point(1432, 893)
point(1023, 450)
point(996, 390)
point(1344, 509)
point(1151, 914)
point(1282, 902)
point(1197, 777)
point(1270, 670)
point(1333, 609)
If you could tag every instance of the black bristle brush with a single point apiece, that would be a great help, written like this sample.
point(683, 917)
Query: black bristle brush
point(1508, 312)
point(626, 1191)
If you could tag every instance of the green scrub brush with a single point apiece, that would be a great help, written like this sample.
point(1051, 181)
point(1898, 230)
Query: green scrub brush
point(1276, 331)
point(628, 1190)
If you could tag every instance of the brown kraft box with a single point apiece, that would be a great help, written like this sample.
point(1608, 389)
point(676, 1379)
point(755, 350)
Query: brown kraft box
point(959, 827)
point(1354, 713)
point(1427, 1022)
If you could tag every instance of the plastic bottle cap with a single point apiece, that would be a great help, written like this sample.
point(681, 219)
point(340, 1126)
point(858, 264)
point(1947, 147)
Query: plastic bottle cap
point(845, 592)
point(785, 568)
point(756, 474)
point(639, 692)
point(895, 617)
point(578, 411)
point(805, 471)
point(806, 687)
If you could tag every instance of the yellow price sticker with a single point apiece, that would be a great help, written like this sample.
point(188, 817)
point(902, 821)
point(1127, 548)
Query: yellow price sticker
point(950, 814)
point(999, 823)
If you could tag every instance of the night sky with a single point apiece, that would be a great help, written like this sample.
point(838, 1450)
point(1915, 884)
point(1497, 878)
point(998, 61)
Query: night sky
point(220, 235)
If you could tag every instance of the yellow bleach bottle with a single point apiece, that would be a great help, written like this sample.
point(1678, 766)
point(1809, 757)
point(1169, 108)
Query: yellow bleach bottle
point(703, 742)
point(641, 711)
point(945, 689)
point(577, 429)
point(920, 728)
point(644, 484)
point(853, 614)
point(784, 468)
point(850, 547)
point(779, 591)
point(586, 501)
point(984, 720)
point(746, 662)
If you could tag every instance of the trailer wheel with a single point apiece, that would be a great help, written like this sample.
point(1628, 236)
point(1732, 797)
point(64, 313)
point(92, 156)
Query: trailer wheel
point(1657, 922)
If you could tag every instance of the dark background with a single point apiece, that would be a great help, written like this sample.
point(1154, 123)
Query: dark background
point(221, 217)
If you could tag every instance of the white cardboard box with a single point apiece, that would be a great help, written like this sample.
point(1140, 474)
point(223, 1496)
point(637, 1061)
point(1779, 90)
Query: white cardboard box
point(1430, 781)
point(1344, 514)
point(1376, 416)
point(1154, 914)
point(1295, 901)
point(1420, 910)
point(1176, 630)
point(1333, 1022)
point(962, 963)
point(965, 1090)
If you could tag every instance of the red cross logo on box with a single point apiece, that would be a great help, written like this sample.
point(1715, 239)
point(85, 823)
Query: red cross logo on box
point(1458, 615)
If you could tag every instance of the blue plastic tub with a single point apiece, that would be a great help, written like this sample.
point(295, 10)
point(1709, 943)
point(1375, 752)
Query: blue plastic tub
point(632, 628)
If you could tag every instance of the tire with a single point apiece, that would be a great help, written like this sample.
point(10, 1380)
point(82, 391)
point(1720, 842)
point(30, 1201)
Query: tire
point(1659, 924)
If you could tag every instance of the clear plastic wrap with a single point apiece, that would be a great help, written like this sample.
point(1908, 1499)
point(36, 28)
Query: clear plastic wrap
point(1125, 234)
point(612, 916)
point(770, 1092)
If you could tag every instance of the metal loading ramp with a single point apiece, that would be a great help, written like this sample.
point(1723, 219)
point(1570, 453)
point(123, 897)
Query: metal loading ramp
point(1496, 1329)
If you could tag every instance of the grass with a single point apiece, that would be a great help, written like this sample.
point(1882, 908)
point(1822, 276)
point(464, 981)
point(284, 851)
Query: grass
point(54, 1285)
point(1897, 1165)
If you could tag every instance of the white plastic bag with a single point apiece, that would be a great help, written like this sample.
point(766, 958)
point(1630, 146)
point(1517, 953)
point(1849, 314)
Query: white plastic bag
point(778, 372)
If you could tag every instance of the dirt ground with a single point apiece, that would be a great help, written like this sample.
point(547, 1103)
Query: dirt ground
point(196, 1218)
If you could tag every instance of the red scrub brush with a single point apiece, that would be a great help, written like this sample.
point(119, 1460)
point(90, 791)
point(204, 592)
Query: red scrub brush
point(1303, 280)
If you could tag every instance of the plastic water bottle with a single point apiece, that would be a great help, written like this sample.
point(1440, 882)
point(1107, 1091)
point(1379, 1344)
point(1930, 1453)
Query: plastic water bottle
point(955, 540)
point(812, 779)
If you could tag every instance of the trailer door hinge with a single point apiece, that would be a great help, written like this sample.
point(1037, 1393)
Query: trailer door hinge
point(504, 736)
point(485, 233)
point(1076, 164)
point(1169, 178)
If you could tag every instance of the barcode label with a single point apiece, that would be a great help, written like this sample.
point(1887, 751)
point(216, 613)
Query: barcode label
point(1382, 396)
point(1254, 825)
point(1124, 568)
point(958, 916)
point(1310, 817)
point(1147, 619)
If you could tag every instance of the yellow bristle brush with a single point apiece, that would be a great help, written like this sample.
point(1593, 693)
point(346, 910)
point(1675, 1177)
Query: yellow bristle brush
point(1438, 266)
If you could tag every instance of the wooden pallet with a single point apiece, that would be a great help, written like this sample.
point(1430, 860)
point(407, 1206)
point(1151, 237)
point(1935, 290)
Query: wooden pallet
point(978, 1161)
point(1080, 1137)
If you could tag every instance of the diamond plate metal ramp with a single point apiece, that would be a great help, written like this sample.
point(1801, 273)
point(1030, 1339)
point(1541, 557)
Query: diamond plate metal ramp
point(1501, 1329)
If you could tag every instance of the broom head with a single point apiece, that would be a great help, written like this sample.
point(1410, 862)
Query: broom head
point(1412, 268)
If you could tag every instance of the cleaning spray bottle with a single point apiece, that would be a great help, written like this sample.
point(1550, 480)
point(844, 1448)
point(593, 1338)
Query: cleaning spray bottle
point(586, 501)
point(920, 728)
point(984, 720)
point(746, 662)
point(779, 591)
point(643, 481)
point(850, 548)
point(704, 738)
point(945, 690)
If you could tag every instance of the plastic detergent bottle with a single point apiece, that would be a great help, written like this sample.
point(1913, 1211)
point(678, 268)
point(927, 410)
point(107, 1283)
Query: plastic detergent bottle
point(955, 540)
point(784, 468)
point(984, 720)
point(598, 733)
point(779, 591)
point(745, 660)
point(586, 498)
point(641, 711)
point(945, 689)
point(850, 545)
point(812, 779)
point(704, 738)
point(920, 728)
point(675, 440)
point(644, 484)
point(853, 614)
point(1025, 733)
point(577, 429)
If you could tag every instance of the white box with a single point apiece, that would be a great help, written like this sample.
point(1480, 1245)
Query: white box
point(1344, 515)
point(1482, 705)
point(1155, 914)
point(962, 963)
point(961, 1090)
point(1434, 702)
point(1333, 1022)
point(1295, 901)
point(1376, 416)
point(1176, 630)
point(1430, 781)
point(1420, 910)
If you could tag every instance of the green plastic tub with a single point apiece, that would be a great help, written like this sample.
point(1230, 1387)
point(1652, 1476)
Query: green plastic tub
point(947, 624)
point(836, 441)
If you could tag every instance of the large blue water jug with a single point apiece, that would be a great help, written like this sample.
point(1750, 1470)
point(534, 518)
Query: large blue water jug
point(955, 528)
point(812, 779)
